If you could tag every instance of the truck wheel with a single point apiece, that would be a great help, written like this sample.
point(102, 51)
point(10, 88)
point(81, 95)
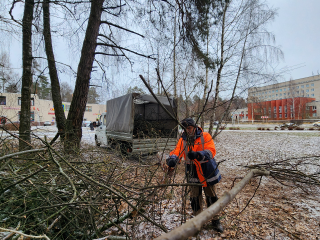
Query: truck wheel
point(125, 148)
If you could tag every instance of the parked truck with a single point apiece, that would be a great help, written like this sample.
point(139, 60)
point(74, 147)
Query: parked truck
point(138, 124)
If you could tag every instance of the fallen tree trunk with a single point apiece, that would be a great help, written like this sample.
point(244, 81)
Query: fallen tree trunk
point(191, 227)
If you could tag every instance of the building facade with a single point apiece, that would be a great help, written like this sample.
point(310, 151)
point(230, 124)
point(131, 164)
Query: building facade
point(42, 110)
point(294, 99)
point(240, 114)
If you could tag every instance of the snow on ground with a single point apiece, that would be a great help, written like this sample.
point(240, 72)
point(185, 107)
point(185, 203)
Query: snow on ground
point(274, 212)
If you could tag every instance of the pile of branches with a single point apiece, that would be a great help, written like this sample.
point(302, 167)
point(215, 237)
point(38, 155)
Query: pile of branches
point(46, 192)
point(301, 172)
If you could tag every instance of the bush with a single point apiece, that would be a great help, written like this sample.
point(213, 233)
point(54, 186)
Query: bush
point(299, 128)
point(282, 128)
point(234, 128)
point(276, 128)
point(268, 129)
point(311, 129)
point(290, 128)
point(259, 128)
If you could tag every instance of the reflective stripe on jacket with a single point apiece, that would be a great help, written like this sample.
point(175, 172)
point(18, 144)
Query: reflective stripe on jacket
point(206, 170)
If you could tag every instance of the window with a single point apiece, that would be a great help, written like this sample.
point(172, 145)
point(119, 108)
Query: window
point(269, 111)
point(307, 90)
point(273, 91)
point(264, 111)
point(252, 94)
point(274, 109)
point(3, 100)
point(288, 93)
point(280, 109)
point(280, 94)
point(88, 108)
point(285, 115)
point(291, 108)
point(312, 95)
point(284, 89)
point(284, 94)
point(280, 90)
point(291, 115)
point(297, 87)
point(307, 95)
point(276, 95)
point(312, 84)
point(280, 115)
point(312, 89)
point(307, 85)
point(285, 109)
point(31, 101)
point(302, 86)
point(270, 91)
point(31, 117)
point(314, 114)
point(308, 107)
point(277, 90)
point(275, 115)
point(314, 107)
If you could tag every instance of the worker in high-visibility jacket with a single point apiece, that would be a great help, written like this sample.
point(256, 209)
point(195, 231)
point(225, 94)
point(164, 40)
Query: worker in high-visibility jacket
point(201, 166)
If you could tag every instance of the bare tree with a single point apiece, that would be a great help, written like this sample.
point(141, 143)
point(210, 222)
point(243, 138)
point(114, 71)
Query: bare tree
point(66, 92)
point(55, 86)
point(24, 129)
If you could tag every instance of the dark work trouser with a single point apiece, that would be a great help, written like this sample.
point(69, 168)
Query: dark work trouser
point(197, 199)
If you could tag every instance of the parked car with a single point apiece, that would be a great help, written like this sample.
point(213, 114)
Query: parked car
point(316, 124)
point(47, 123)
point(86, 123)
point(288, 125)
point(215, 122)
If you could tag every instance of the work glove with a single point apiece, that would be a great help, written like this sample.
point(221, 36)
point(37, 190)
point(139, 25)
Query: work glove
point(172, 162)
point(195, 155)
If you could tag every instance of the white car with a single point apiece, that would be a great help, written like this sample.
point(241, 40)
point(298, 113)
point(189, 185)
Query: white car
point(316, 124)
point(86, 124)
point(47, 123)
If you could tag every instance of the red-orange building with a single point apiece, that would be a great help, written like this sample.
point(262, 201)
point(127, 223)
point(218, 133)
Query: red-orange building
point(282, 109)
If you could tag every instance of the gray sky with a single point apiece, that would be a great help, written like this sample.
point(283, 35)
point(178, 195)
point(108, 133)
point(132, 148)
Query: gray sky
point(296, 29)
point(297, 32)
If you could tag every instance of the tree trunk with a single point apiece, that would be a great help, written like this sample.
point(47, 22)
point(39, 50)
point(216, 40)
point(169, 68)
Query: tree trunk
point(221, 64)
point(25, 114)
point(80, 94)
point(55, 86)
point(205, 87)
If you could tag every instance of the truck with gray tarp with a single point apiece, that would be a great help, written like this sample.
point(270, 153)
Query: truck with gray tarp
point(138, 124)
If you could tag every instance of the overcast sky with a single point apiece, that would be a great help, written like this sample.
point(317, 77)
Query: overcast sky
point(297, 32)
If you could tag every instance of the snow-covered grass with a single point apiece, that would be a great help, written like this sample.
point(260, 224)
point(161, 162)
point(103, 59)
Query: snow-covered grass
point(275, 212)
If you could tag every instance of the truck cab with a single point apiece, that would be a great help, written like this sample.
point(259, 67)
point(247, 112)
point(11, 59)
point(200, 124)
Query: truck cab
point(100, 133)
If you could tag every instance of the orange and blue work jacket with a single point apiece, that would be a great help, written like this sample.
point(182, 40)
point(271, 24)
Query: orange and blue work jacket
point(203, 170)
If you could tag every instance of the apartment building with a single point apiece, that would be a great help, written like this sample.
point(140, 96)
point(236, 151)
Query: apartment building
point(294, 99)
point(42, 110)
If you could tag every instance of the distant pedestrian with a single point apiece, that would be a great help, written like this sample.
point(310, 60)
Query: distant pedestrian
point(91, 126)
